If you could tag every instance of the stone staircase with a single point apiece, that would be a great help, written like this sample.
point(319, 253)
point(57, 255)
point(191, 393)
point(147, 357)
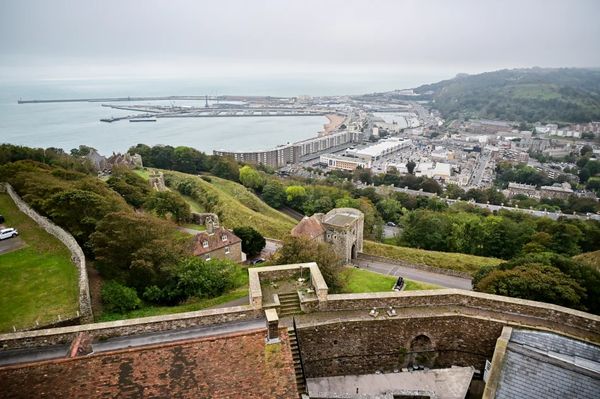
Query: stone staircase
point(290, 304)
point(300, 381)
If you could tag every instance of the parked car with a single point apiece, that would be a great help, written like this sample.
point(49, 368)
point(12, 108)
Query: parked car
point(8, 233)
point(257, 261)
point(391, 224)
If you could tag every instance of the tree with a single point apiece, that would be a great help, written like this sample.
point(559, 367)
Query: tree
point(78, 211)
point(133, 188)
point(431, 186)
point(250, 178)
point(303, 250)
point(274, 194)
point(390, 210)
point(586, 150)
point(410, 166)
point(225, 167)
point(206, 279)
point(252, 241)
point(363, 175)
point(137, 248)
point(119, 298)
point(584, 275)
point(535, 282)
point(454, 191)
point(166, 203)
point(295, 196)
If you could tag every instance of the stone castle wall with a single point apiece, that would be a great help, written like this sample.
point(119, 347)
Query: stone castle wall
point(462, 327)
point(386, 345)
point(77, 256)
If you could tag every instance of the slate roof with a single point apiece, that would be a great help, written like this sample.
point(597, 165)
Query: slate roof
point(215, 240)
point(234, 366)
point(309, 227)
point(545, 365)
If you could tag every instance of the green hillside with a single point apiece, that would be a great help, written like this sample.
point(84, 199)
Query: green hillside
point(235, 205)
point(536, 94)
point(443, 260)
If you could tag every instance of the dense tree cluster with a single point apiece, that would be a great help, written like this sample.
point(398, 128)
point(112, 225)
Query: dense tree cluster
point(546, 277)
point(504, 235)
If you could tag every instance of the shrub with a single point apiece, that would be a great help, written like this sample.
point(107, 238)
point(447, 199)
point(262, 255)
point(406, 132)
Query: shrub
point(119, 298)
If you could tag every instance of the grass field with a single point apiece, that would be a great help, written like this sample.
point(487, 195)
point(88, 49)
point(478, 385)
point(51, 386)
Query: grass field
point(37, 282)
point(444, 260)
point(359, 281)
point(238, 206)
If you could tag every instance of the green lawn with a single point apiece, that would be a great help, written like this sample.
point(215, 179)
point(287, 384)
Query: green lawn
point(444, 260)
point(37, 282)
point(194, 226)
point(359, 281)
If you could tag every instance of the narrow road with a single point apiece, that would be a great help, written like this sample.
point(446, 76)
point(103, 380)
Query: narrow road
point(391, 269)
point(111, 344)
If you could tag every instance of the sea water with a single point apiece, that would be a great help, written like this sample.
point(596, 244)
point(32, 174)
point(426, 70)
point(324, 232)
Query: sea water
point(68, 125)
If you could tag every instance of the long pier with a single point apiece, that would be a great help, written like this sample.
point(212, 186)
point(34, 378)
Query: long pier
point(154, 98)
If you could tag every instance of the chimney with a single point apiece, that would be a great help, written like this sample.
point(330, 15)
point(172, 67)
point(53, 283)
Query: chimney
point(272, 326)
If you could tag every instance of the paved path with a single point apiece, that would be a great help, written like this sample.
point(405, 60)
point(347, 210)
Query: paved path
point(391, 269)
point(111, 344)
point(11, 244)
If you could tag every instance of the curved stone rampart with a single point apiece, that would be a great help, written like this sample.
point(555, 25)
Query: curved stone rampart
point(77, 256)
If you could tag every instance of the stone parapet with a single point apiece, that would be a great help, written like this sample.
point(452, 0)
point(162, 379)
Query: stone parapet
point(101, 331)
point(570, 321)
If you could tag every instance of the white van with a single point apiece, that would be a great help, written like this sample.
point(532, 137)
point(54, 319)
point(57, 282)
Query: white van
point(8, 233)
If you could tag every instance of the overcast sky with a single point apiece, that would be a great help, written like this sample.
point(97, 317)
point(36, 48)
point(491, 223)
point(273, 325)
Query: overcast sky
point(60, 38)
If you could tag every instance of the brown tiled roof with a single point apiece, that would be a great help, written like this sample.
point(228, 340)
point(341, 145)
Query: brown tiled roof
point(309, 227)
point(215, 241)
point(234, 366)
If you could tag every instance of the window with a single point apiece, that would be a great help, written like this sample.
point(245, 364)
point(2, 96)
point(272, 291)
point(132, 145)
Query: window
point(205, 244)
point(224, 237)
point(227, 250)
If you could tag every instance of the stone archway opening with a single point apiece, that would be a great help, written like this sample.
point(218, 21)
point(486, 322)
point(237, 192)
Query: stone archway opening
point(354, 253)
point(422, 352)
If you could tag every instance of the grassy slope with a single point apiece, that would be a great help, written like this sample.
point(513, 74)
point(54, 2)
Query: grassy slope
point(240, 207)
point(359, 281)
point(37, 282)
point(444, 260)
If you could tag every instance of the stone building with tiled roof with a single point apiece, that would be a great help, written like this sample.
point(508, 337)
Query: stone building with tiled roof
point(218, 242)
point(340, 227)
